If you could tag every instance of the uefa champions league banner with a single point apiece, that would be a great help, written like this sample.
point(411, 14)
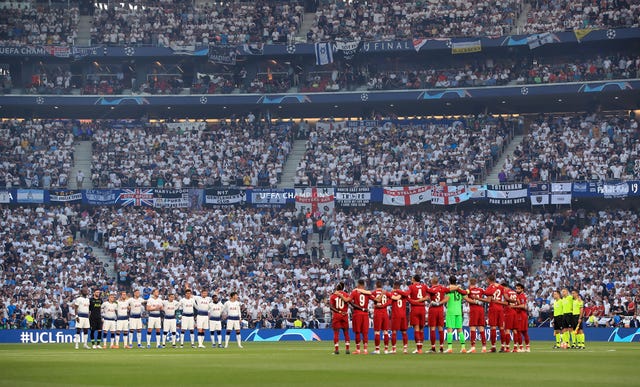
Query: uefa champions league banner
point(66, 336)
point(270, 198)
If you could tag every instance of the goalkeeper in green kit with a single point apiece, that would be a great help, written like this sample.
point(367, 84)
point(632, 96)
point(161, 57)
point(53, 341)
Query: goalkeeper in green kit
point(454, 314)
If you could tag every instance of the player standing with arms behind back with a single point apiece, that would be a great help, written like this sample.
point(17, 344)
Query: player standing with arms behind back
point(81, 308)
point(558, 319)
point(136, 305)
point(202, 320)
point(122, 325)
point(522, 318)
point(215, 320)
point(339, 318)
point(578, 317)
point(232, 310)
point(188, 306)
point(170, 307)
point(95, 319)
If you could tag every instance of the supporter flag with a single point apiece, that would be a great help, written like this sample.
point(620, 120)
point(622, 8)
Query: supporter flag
point(537, 40)
point(539, 194)
point(445, 195)
point(406, 196)
point(581, 33)
point(324, 54)
point(136, 197)
point(560, 193)
point(507, 194)
point(418, 43)
point(316, 200)
point(466, 47)
point(477, 191)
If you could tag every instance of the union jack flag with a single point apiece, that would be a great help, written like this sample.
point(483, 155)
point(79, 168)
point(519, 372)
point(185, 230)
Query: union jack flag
point(136, 197)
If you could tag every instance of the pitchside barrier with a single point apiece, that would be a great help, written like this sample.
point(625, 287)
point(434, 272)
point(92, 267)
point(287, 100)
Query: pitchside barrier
point(54, 336)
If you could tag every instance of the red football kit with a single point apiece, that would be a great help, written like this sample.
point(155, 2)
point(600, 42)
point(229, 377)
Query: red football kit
point(360, 317)
point(436, 313)
point(418, 309)
point(476, 311)
point(511, 297)
point(340, 311)
point(381, 311)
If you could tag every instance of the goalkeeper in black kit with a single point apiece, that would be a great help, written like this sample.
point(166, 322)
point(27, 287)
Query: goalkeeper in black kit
point(95, 320)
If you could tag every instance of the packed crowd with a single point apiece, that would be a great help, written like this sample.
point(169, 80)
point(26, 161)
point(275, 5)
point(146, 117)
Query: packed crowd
point(560, 15)
point(38, 24)
point(491, 72)
point(181, 23)
point(42, 266)
point(37, 153)
point(421, 152)
point(245, 152)
point(589, 147)
point(398, 20)
point(272, 257)
point(601, 258)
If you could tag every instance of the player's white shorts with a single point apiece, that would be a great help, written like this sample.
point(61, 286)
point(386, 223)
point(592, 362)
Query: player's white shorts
point(187, 323)
point(202, 322)
point(215, 325)
point(122, 325)
point(109, 325)
point(135, 323)
point(154, 323)
point(169, 324)
point(83, 323)
point(233, 325)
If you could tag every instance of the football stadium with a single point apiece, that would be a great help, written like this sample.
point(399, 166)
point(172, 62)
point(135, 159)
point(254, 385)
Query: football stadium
point(319, 192)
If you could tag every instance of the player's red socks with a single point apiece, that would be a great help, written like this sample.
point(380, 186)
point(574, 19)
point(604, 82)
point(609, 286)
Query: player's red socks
point(336, 338)
point(493, 336)
point(386, 340)
point(394, 338)
point(432, 336)
point(405, 338)
point(473, 337)
point(526, 338)
point(346, 338)
point(483, 337)
point(441, 334)
point(377, 340)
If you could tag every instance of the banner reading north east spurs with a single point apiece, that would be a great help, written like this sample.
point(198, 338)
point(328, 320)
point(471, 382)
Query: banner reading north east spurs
point(315, 200)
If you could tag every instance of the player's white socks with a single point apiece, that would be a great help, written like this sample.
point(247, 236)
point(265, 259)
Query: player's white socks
point(193, 340)
point(226, 340)
point(125, 340)
point(139, 337)
point(200, 339)
point(148, 338)
point(164, 337)
point(117, 339)
point(182, 338)
point(174, 337)
point(239, 340)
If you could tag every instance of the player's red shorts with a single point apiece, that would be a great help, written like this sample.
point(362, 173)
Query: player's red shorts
point(360, 322)
point(509, 319)
point(340, 321)
point(381, 321)
point(418, 317)
point(495, 317)
point(436, 316)
point(399, 323)
point(522, 323)
point(476, 317)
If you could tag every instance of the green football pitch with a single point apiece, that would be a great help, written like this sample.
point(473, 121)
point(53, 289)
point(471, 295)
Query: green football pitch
point(313, 364)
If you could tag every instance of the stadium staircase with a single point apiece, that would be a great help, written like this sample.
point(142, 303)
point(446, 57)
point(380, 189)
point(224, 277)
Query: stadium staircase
point(307, 23)
point(289, 169)
point(84, 30)
point(562, 238)
point(492, 177)
point(522, 19)
point(81, 161)
point(104, 257)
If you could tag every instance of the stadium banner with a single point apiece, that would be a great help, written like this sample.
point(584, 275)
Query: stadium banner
point(477, 192)
point(348, 49)
point(171, 198)
point(445, 195)
point(222, 54)
point(30, 196)
point(539, 194)
point(100, 197)
point(466, 47)
point(224, 197)
point(584, 189)
point(315, 200)
point(417, 45)
point(616, 190)
point(507, 194)
point(136, 197)
point(406, 196)
point(271, 198)
point(63, 196)
point(561, 193)
point(65, 336)
point(353, 197)
point(7, 196)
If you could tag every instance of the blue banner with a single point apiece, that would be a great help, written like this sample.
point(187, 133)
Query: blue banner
point(60, 336)
point(105, 197)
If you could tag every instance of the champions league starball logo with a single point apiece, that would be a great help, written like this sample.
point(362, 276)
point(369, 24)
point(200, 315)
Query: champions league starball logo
point(203, 100)
point(129, 51)
point(364, 97)
point(611, 34)
point(291, 48)
point(40, 100)
point(524, 90)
